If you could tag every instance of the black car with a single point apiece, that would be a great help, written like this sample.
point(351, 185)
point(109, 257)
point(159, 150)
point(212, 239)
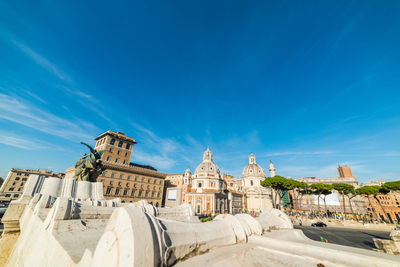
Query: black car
point(318, 224)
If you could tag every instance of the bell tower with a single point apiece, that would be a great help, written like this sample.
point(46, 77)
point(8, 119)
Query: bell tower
point(271, 169)
point(252, 159)
point(118, 147)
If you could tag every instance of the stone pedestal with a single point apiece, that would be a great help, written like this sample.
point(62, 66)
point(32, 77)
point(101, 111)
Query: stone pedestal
point(83, 190)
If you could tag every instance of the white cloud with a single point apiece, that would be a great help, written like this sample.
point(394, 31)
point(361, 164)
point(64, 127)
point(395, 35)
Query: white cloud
point(42, 61)
point(11, 139)
point(24, 113)
point(300, 153)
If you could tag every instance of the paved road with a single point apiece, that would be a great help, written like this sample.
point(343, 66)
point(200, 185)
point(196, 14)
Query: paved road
point(344, 236)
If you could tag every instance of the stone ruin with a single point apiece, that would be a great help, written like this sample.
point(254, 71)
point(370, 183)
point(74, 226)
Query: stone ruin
point(68, 223)
point(391, 246)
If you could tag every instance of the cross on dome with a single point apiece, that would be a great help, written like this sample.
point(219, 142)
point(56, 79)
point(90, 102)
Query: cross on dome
point(207, 156)
point(252, 158)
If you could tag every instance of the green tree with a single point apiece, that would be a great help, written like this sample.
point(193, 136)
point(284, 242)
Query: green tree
point(321, 189)
point(299, 190)
point(372, 190)
point(391, 186)
point(279, 184)
point(327, 191)
point(343, 189)
point(350, 192)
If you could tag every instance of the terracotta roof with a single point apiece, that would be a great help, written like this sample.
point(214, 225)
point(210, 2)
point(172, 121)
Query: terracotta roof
point(119, 135)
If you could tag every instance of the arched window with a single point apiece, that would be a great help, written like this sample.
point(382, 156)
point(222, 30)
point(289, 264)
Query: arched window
point(251, 182)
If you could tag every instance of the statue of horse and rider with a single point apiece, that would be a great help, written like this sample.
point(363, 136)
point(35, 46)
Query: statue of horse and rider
point(89, 167)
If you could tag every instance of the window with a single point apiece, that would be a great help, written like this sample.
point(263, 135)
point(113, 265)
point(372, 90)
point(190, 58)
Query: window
point(118, 152)
point(121, 176)
point(108, 158)
point(134, 185)
point(120, 144)
point(140, 193)
point(8, 195)
point(124, 161)
point(128, 146)
point(26, 174)
point(154, 188)
point(102, 181)
point(129, 177)
point(152, 194)
point(148, 187)
point(119, 183)
point(125, 192)
point(116, 160)
point(149, 180)
point(21, 184)
point(12, 189)
point(16, 195)
point(112, 175)
point(136, 178)
point(126, 154)
point(111, 182)
point(146, 194)
point(158, 195)
point(127, 184)
point(104, 173)
point(133, 192)
point(155, 181)
point(112, 141)
point(19, 189)
point(117, 191)
point(251, 182)
point(24, 179)
point(17, 178)
point(199, 185)
point(13, 183)
point(110, 150)
point(142, 179)
point(18, 173)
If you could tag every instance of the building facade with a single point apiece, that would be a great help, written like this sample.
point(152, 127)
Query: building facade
point(13, 185)
point(257, 198)
point(121, 178)
point(384, 207)
point(207, 194)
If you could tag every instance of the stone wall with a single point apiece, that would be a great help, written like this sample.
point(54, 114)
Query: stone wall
point(71, 231)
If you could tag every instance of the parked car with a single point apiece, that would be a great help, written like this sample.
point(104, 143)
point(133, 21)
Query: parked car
point(319, 224)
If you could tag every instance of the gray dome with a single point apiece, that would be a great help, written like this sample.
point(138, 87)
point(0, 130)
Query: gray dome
point(207, 166)
point(253, 169)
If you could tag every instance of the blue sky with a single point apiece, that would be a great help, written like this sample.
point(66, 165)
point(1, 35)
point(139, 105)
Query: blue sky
point(306, 84)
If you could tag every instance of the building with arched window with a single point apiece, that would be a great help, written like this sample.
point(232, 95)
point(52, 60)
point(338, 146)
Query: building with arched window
point(257, 198)
point(122, 178)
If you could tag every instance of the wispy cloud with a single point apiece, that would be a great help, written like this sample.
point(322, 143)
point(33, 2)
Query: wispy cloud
point(321, 171)
point(70, 83)
point(299, 153)
point(156, 151)
point(14, 140)
point(25, 113)
point(42, 61)
point(295, 171)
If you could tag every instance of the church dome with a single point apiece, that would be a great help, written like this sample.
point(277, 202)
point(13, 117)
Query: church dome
point(207, 166)
point(253, 169)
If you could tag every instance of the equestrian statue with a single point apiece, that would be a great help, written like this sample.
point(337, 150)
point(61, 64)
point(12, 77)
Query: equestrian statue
point(89, 167)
